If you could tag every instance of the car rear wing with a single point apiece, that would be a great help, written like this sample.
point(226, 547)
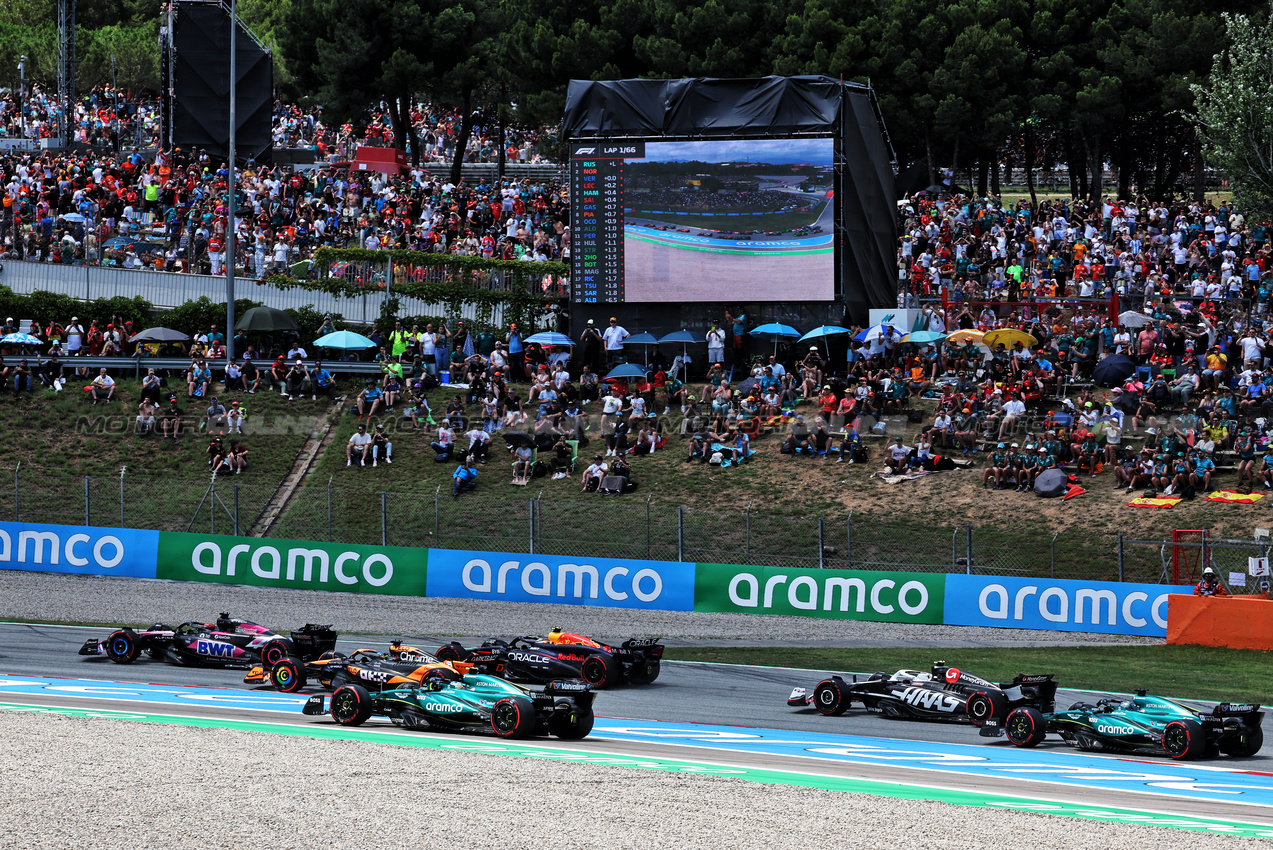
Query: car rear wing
point(313, 640)
point(1037, 690)
point(650, 646)
point(567, 687)
point(1234, 709)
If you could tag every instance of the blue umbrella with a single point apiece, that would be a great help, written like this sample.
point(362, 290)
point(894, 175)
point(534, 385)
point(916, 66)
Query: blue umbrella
point(775, 330)
point(343, 340)
point(627, 370)
point(549, 338)
point(873, 332)
point(923, 337)
point(824, 332)
point(20, 339)
point(643, 338)
point(683, 337)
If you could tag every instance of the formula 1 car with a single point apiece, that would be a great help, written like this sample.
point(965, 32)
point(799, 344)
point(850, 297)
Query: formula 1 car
point(401, 666)
point(475, 703)
point(562, 655)
point(946, 693)
point(1145, 724)
point(228, 642)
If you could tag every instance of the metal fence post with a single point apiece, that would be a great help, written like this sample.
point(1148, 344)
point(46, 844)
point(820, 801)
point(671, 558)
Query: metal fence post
point(532, 526)
point(212, 504)
point(821, 550)
point(680, 532)
point(1053, 553)
point(968, 547)
point(236, 505)
point(436, 494)
point(1120, 556)
point(87, 511)
point(647, 527)
point(384, 518)
point(16, 513)
point(329, 507)
point(748, 558)
point(848, 542)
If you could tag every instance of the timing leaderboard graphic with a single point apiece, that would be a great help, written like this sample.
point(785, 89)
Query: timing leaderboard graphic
point(702, 220)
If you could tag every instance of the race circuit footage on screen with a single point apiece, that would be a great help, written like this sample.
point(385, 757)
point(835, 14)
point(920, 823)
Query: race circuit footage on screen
point(705, 218)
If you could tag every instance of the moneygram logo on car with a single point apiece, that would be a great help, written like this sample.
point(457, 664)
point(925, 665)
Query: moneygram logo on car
point(609, 582)
point(292, 563)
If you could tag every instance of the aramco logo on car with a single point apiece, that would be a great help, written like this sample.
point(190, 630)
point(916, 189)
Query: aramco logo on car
point(830, 594)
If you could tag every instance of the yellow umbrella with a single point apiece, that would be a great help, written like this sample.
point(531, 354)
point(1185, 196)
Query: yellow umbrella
point(1008, 337)
point(961, 337)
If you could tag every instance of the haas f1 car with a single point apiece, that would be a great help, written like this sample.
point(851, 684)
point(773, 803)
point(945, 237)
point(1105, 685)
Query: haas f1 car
point(228, 642)
point(475, 703)
point(1142, 724)
point(401, 666)
point(945, 693)
point(562, 655)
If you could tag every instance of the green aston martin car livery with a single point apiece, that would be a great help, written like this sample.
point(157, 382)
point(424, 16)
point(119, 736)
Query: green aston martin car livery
point(475, 702)
point(1142, 723)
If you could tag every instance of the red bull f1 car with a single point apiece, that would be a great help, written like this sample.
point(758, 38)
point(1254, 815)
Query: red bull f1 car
point(401, 666)
point(227, 642)
point(562, 655)
point(945, 693)
point(476, 703)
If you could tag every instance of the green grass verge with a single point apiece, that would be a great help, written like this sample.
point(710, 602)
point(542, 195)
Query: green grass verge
point(1193, 672)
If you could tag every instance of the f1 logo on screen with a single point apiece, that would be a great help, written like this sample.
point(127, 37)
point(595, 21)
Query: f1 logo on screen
point(607, 582)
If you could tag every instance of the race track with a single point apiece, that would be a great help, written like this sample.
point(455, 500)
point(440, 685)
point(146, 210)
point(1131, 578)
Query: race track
point(718, 714)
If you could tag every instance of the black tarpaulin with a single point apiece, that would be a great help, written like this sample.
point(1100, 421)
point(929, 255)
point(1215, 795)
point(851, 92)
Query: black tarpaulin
point(703, 106)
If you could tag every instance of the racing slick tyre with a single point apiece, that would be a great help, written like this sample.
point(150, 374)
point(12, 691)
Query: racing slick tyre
point(1025, 727)
point(513, 717)
point(1252, 740)
point(644, 672)
point(447, 653)
point(831, 698)
point(274, 652)
point(571, 726)
point(984, 706)
point(351, 705)
point(600, 671)
point(288, 676)
point(122, 646)
point(1184, 739)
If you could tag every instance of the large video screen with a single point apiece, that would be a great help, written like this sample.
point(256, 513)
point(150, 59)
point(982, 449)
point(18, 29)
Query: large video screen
point(704, 220)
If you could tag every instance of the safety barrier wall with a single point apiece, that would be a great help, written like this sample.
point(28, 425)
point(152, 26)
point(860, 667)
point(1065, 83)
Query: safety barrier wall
point(879, 596)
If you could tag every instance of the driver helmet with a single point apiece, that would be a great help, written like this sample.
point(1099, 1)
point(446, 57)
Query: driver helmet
point(924, 677)
point(554, 635)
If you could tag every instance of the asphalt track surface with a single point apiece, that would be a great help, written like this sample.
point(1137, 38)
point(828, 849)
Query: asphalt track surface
point(686, 693)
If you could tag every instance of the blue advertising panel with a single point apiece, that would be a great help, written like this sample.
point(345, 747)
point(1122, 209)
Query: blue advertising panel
point(1105, 607)
point(604, 582)
point(78, 549)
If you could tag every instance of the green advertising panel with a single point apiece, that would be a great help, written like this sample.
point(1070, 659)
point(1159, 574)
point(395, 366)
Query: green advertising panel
point(264, 562)
point(831, 594)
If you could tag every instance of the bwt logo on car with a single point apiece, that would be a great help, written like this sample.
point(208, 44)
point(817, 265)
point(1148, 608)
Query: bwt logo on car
point(931, 700)
point(267, 562)
point(1053, 604)
point(574, 581)
point(214, 648)
point(803, 593)
point(33, 546)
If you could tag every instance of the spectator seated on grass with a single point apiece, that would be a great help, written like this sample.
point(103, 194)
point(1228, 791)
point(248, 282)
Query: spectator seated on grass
point(215, 452)
point(296, 382)
point(235, 458)
point(370, 401)
point(381, 447)
point(234, 417)
point(445, 442)
point(103, 387)
point(592, 476)
point(276, 378)
point(251, 375)
point(464, 478)
point(899, 455)
point(358, 447)
point(522, 463)
point(198, 379)
point(145, 417)
point(170, 420)
point(479, 443)
point(214, 418)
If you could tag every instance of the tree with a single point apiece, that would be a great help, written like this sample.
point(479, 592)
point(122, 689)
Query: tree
point(1235, 113)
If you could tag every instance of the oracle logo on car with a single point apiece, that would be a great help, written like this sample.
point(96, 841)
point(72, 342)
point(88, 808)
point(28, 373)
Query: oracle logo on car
point(1060, 605)
point(597, 581)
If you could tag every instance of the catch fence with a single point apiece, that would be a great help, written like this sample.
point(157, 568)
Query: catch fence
point(601, 526)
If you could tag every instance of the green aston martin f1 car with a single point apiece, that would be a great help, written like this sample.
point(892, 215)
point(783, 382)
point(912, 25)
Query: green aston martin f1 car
point(1143, 723)
point(475, 703)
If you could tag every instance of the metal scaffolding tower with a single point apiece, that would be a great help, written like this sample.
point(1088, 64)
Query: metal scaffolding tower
point(66, 67)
